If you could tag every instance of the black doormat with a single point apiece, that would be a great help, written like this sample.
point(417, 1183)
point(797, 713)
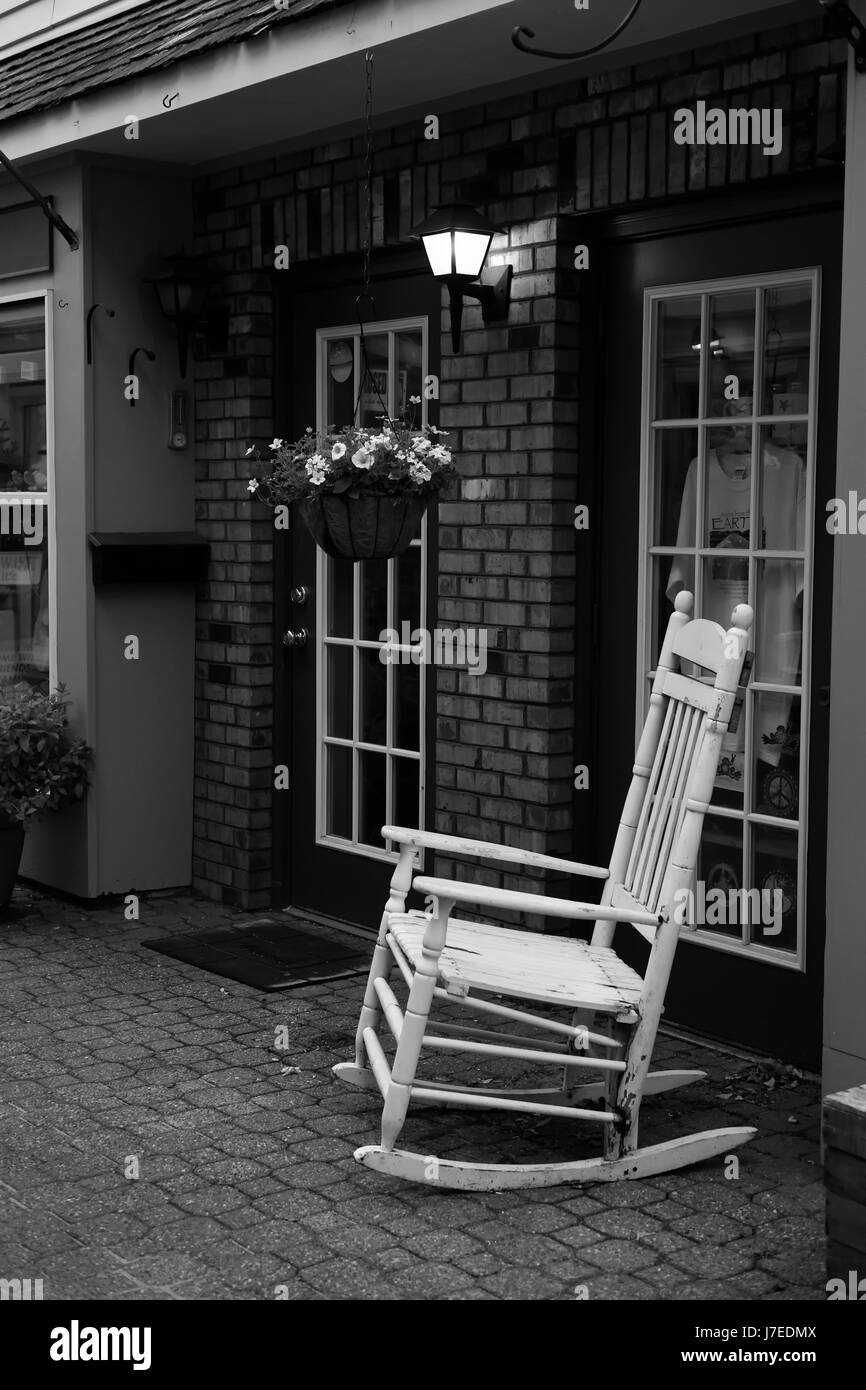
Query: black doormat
point(269, 954)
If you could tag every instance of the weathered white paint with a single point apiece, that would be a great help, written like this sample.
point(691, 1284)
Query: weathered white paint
point(497, 1177)
point(443, 958)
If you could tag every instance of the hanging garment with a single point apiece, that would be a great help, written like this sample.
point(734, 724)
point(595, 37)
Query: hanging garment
point(726, 582)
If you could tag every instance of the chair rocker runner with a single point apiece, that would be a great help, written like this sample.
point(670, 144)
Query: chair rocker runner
point(441, 957)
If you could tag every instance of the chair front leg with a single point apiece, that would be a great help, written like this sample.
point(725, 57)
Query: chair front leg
point(617, 1138)
point(383, 962)
point(414, 1026)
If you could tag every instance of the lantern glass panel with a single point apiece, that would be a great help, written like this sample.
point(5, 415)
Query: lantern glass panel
point(438, 248)
point(470, 252)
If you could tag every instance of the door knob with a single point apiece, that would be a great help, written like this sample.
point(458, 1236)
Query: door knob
point(295, 639)
point(300, 594)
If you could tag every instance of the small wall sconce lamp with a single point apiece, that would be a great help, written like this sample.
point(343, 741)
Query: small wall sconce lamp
point(182, 288)
point(456, 239)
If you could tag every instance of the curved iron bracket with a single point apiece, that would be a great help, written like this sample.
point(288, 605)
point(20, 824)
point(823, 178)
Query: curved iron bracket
point(91, 311)
point(520, 34)
point(151, 357)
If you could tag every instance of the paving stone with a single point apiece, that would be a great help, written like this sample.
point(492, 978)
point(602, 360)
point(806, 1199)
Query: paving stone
point(723, 1261)
point(521, 1284)
point(625, 1224)
point(247, 1188)
point(606, 1287)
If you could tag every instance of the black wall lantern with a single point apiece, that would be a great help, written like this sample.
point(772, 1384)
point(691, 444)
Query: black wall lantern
point(457, 239)
point(182, 288)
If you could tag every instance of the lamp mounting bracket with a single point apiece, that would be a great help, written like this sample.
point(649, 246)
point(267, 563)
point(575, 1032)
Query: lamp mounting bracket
point(494, 295)
point(844, 22)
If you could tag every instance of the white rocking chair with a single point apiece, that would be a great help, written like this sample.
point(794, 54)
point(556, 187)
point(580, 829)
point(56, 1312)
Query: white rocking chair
point(443, 958)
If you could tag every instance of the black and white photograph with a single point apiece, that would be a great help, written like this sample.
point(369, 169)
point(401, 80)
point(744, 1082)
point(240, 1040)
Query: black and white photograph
point(432, 656)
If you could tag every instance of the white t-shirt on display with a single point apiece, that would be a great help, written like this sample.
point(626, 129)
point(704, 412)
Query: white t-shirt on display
point(726, 579)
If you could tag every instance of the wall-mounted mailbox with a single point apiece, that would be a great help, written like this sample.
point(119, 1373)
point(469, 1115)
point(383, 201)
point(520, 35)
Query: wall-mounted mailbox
point(148, 557)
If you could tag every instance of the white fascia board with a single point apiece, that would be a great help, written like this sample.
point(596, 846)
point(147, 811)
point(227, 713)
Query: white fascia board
point(282, 52)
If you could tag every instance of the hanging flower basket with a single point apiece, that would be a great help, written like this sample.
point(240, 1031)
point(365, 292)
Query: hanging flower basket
point(361, 492)
point(368, 527)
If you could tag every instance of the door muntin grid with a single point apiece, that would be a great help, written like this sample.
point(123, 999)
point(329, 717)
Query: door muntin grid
point(370, 744)
point(748, 522)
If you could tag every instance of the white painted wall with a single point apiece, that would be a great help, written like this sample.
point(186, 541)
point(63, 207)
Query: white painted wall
point(845, 961)
point(61, 850)
point(112, 471)
point(143, 784)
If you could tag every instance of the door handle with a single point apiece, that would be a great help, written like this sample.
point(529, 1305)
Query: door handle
point(300, 594)
point(296, 639)
point(824, 697)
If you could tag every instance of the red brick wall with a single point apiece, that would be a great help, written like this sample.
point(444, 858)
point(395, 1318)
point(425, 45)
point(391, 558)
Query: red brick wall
point(504, 754)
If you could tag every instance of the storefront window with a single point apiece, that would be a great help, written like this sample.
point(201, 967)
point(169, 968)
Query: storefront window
point(727, 482)
point(24, 626)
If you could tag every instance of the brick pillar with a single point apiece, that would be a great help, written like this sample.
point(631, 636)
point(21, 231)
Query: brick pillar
point(504, 751)
point(234, 652)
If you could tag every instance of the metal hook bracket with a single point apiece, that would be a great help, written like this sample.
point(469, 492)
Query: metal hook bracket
point(91, 311)
point(520, 34)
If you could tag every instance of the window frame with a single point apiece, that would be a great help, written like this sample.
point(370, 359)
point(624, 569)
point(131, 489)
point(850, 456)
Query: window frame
point(654, 296)
point(357, 746)
point(44, 297)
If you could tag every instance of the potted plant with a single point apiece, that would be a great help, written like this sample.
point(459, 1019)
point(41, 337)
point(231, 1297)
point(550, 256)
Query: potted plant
point(41, 769)
point(361, 491)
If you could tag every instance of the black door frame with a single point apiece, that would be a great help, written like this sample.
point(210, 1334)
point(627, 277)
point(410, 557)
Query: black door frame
point(334, 273)
point(601, 231)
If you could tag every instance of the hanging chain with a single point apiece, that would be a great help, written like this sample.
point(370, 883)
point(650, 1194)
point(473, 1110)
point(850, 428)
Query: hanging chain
point(368, 170)
point(367, 241)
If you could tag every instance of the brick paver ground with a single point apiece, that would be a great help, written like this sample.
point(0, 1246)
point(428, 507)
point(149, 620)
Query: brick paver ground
point(156, 1143)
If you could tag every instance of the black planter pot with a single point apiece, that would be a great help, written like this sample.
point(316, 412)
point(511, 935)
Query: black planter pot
point(363, 528)
point(11, 849)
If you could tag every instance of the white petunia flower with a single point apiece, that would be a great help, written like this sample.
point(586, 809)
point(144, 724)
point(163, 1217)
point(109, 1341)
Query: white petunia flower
point(277, 444)
point(250, 450)
point(420, 473)
point(252, 485)
point(338, 451)
point(362, 459)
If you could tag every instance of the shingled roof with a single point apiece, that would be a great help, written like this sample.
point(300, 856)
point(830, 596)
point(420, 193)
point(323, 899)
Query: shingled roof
point(137, 41)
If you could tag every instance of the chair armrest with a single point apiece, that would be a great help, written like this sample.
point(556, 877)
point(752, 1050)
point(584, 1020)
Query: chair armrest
point(513, 901)
point(428, 839)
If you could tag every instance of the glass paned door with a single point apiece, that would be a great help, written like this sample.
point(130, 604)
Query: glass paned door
point(730, 386)
point(24, 578)
point(370, 732)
